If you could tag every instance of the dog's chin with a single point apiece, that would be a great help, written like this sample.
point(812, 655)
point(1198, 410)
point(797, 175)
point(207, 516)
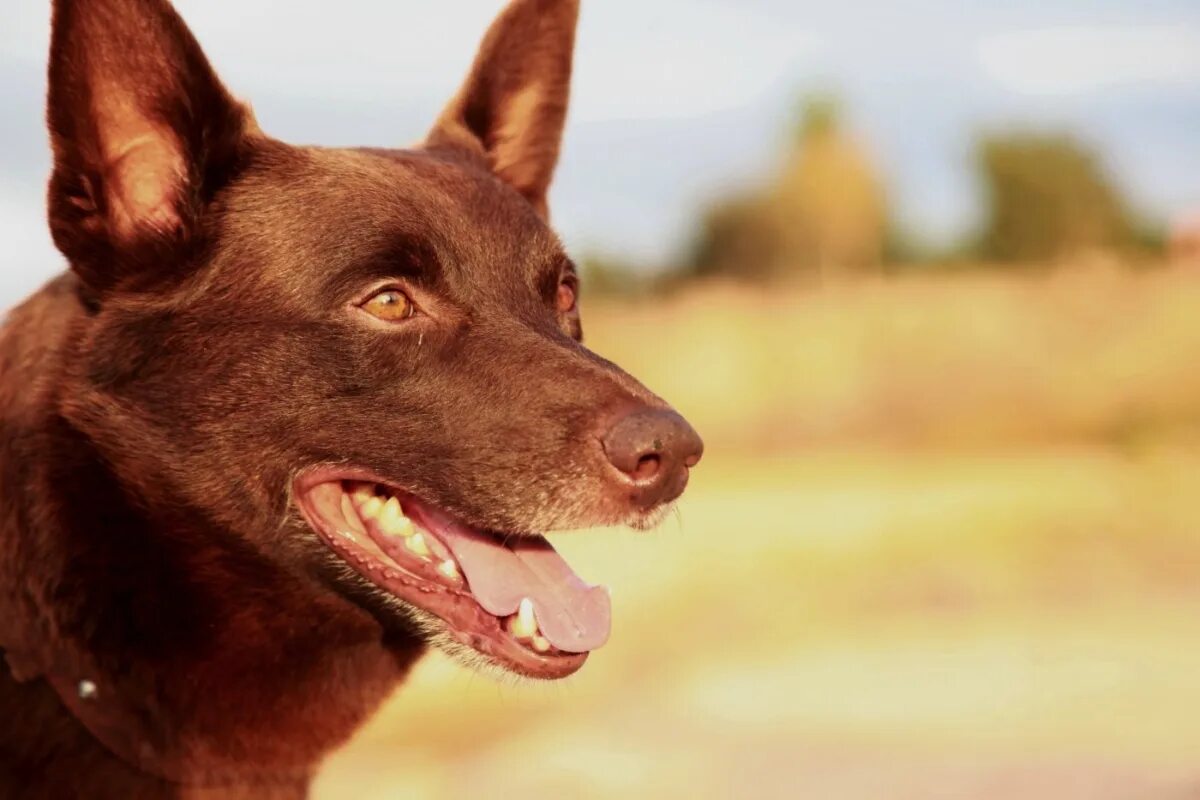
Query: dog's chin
point(647, 520)
point(508, 601)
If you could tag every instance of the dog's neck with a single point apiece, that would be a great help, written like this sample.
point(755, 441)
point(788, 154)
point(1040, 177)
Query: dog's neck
point(189, 658)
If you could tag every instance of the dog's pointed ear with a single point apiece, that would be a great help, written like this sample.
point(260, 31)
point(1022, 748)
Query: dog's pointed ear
point(514, 103)
point(143, 134)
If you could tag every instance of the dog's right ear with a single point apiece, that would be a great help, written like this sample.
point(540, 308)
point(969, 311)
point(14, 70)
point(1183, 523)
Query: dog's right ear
point(143, 134)
point(513, 105)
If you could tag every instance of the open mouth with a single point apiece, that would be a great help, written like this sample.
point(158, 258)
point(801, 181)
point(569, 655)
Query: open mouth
point(511, 598)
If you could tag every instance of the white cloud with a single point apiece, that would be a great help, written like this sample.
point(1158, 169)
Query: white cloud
point(635, 59)
point(1082, 59)
point(30, 257)
point(669, 58)
point(680, 58)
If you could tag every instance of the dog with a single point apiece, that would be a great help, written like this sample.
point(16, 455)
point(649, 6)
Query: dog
point(292, 417)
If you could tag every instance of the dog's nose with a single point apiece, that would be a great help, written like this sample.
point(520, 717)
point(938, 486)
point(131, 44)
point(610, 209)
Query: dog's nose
point(653, 448)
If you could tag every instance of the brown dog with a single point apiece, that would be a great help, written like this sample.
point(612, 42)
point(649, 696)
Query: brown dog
point(293, 415)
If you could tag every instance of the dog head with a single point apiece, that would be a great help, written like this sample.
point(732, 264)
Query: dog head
point(365, 363)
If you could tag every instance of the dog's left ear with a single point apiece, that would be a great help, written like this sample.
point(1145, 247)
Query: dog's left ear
point(514, 102)
point(143, 134)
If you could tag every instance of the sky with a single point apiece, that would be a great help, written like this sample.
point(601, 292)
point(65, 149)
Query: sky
point(677, 101)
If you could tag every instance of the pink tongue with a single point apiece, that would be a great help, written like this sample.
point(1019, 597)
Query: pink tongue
point(573, 616)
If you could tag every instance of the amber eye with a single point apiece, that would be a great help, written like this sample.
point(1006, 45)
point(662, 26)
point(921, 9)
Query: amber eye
point(566, 295)
point(389, 305)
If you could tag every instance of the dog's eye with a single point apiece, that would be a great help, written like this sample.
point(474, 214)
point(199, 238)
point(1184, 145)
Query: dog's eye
point(389, 305)
point(567, 291)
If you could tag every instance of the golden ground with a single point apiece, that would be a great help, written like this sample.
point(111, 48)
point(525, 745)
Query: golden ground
point(1002, 608)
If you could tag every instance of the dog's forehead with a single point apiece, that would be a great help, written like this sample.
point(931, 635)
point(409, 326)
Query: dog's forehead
point(304, 212)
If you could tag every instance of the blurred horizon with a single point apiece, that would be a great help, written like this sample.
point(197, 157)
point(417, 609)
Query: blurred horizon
point(680, 102)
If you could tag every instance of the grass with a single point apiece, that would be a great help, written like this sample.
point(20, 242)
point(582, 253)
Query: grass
point(997, 596)
point(978, 358)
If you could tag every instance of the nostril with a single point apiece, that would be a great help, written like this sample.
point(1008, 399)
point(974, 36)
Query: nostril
point(647, 467)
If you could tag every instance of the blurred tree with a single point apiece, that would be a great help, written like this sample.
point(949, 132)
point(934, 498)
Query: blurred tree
point(603, 275)
point(828, 202)
point(823, 213)
point(738, 236)
point(1047, 196)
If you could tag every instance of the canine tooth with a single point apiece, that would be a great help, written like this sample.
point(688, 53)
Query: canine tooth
point(524, 625)
point(541, 644)
point(351, 515)
point(449, 569)
point(416, 543)
point(371, 507)
point(392, 521)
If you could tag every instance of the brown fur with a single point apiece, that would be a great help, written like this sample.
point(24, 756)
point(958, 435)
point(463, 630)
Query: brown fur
point(157, 400)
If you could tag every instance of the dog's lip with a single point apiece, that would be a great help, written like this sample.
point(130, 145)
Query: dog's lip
point(465, 620)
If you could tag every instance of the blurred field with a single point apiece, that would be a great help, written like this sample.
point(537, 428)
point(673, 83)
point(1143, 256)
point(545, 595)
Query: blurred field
point(1083, 353)
point(945, 543)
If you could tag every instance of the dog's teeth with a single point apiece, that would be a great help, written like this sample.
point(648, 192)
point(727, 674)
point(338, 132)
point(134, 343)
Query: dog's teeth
point(417, 544)
point(523, 625)
point(541, 644)
point(371, 507)
point(351, 516)
point(391, 520)
point(449, 569)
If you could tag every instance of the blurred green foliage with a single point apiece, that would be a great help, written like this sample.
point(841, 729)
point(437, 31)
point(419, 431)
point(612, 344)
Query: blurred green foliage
point(606, 275)
point(1047, 196)
point(824, 213)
